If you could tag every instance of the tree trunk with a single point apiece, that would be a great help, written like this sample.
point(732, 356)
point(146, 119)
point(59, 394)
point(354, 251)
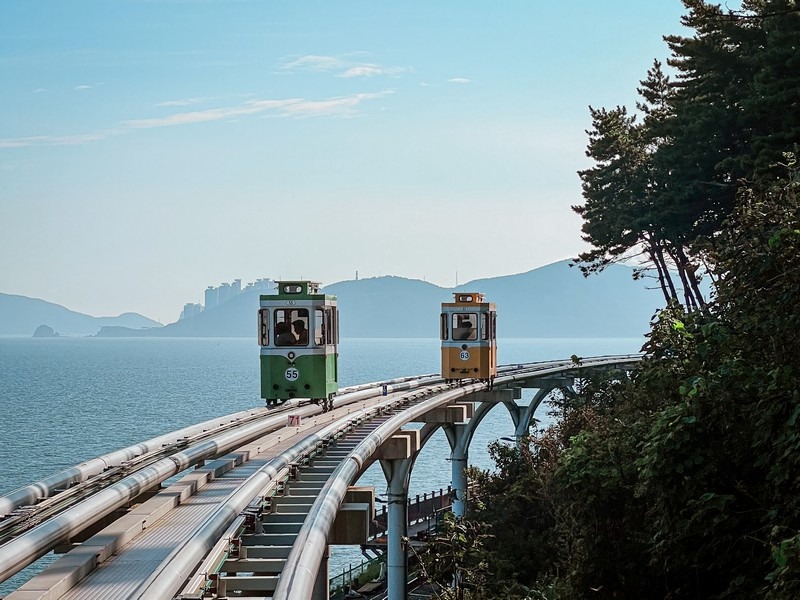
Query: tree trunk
point(691, 269)
point(653, 252)
point(673, 294)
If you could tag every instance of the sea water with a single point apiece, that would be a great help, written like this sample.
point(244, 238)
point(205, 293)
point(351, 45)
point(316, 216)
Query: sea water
point(68, 399)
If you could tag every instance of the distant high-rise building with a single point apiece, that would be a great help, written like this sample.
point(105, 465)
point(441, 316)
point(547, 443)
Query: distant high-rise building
point(264, 286)
point(211, 297)
point(224, 291)
point(190, 310)
point(267, 285)
point(214, 296)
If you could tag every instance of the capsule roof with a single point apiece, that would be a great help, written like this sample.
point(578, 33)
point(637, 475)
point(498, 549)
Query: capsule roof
point(301, 288)
point(468, 297)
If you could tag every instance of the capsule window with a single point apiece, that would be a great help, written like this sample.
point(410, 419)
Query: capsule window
point(466, 298)
point(291, 327)
point(331, 325)
point(465, 326)
point(263, 327)
point(292, 288)
point(319, 327)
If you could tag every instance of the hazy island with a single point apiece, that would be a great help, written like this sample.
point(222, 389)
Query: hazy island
point(45, 331)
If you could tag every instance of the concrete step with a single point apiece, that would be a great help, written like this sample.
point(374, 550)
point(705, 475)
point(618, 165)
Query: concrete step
point(253, 546)
point(257, 583)
point(271, 527)
point(259, 566)
point(268, 539)
point(286, 517)
point(292, 500)
point(293, 508)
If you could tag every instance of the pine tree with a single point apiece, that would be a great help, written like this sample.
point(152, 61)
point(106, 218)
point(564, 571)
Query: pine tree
point(772, 104)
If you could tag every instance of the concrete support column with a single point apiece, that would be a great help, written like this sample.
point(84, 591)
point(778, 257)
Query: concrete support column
point(396, 553)
point(459, 485)
point(459, 437)
point(396, 458)
point(456, 422)
point(322, 586)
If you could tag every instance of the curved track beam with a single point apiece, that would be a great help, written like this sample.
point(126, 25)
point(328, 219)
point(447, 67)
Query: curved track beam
point(298, 577)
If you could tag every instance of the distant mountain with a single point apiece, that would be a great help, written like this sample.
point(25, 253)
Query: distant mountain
point(234, 318)
point(552, 301)
point(20, 315)
point(558, 301)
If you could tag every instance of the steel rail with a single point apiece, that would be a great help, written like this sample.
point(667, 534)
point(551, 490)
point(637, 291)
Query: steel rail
point(178, 567)
point(214, 558)
point(89, 477)
point(26, 518)
point(34, 543)
point(28, 546)
point(569, 367)
point(298, 578)
point(174, 571)
point(62, 481)
point(30, 494)
point(66, 480)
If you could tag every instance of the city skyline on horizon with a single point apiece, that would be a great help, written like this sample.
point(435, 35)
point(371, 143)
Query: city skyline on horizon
point(259, 283)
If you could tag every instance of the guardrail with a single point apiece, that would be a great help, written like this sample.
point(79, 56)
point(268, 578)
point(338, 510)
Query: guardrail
point(422, 508)
point(353, 576)
point(426, 508)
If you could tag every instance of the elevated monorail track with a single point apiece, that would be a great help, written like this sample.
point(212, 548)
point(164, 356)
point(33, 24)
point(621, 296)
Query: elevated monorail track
point(233, 468)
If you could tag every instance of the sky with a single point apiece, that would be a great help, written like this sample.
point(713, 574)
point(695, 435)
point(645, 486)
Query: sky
point(149, 149)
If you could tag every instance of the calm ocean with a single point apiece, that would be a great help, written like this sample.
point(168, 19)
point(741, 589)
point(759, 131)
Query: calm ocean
point(64, 400)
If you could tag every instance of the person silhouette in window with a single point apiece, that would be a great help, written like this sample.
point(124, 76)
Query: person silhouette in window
point(301, 332)
point(463, 331)
point(284, 335)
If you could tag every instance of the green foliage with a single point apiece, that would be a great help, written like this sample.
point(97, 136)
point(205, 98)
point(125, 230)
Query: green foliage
point(454, 562)
point(662, 187)
point(682, 481)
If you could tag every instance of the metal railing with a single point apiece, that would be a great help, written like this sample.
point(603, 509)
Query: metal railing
point(427, 508)
point(421, 508)
point(352, 577)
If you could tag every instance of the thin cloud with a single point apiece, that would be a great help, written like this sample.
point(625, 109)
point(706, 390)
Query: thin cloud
point(340, 106)
point(459, 80)
point(182, 102)
point(363, 71)
point(348, 69)
point(54, 140)
point(370, 70)
point(82, 87)
point(313, 62)
point(205, 116)
point(297, 107)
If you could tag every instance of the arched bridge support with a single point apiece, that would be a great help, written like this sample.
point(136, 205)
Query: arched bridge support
point(522, 415)
point(454, 420)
